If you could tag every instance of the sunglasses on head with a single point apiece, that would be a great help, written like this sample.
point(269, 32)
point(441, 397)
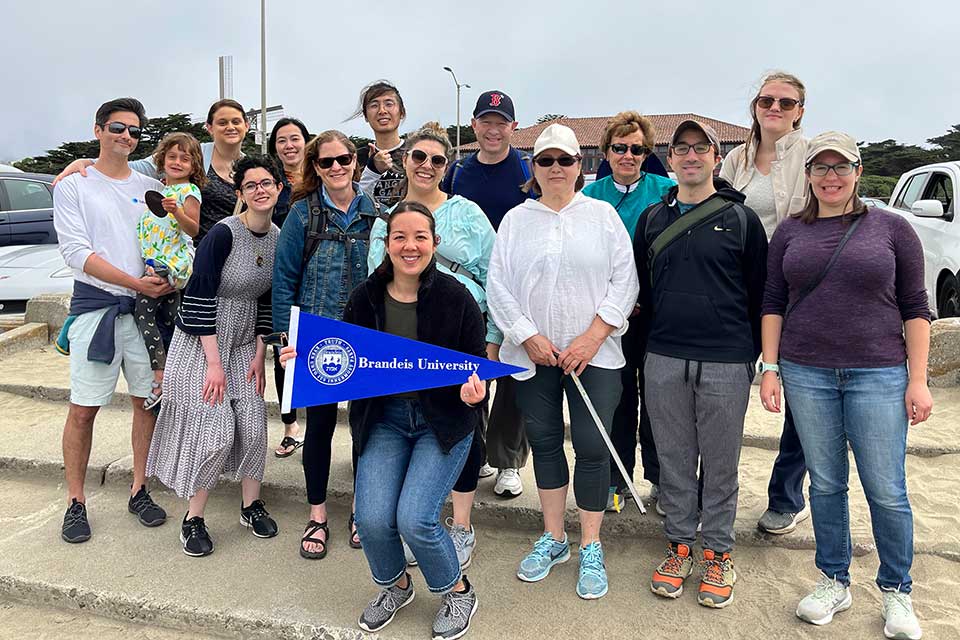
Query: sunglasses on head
point(787, 104)
point(563, 161)
point(420, 157)
point(636, 149)
point(342, 160)
point(118, 127)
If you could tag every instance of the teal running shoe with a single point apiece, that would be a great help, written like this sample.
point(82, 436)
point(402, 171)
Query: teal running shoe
point(546, 553)
point(592, 583)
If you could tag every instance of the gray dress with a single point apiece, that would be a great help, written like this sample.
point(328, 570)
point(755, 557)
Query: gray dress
point(194, 442)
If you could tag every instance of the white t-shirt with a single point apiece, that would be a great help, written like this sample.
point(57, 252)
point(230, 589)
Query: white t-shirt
point(760, 198)
point(99, 215)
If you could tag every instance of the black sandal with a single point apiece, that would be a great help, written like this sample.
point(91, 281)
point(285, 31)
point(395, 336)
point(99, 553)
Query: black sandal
point(355, 544)
point(288, 441)
point(309, 536)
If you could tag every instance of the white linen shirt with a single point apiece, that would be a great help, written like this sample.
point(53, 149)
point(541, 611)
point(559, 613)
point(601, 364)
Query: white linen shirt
point(552, 272)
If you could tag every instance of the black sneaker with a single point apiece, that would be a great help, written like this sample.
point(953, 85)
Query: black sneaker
point(256, 517)
point(456, 612)
point(193, 534)
point(381, 610)
point(75, 525)
point(148, 512)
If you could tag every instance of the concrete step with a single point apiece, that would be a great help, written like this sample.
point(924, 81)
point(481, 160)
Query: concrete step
point(11, 320)
point(252, 588)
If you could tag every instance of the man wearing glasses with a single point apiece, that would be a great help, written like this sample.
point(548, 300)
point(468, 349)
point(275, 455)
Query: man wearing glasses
point(96, 221)
point(701, 259)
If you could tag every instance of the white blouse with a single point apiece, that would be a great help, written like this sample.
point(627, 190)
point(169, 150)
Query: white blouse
point(553, 272)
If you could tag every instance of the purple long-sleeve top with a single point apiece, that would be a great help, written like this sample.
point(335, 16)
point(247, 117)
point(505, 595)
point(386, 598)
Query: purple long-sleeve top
point(855, 316)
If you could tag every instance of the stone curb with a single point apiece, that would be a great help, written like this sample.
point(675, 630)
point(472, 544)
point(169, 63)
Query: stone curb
point(26, 336)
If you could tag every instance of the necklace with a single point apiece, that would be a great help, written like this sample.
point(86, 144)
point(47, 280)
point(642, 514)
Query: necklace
point(258, 250)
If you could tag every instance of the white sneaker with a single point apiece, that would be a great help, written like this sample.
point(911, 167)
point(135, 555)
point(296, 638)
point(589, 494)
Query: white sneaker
point(901, 622)
point(508, 483)
point(486, 471)
point(828, 597)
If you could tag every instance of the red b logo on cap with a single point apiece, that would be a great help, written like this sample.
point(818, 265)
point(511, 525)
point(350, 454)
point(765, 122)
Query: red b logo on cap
point(495, 99)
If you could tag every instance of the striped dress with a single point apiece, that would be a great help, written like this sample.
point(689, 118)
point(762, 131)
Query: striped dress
point(228, 296)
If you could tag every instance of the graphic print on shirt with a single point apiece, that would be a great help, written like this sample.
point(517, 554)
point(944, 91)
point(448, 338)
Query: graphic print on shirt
point(386, 191)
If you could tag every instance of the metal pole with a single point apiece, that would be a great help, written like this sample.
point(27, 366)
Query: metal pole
point(263, 77)
point(458, 121)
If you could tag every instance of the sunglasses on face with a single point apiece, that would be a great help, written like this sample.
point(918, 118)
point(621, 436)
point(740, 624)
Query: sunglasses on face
point(636, 149)
point(118, 128)
point(251, 187)
point(343, 160)
point(682, 148)
point(820, 169)
point(786, 104)
point(419, 157)
point(563, 161)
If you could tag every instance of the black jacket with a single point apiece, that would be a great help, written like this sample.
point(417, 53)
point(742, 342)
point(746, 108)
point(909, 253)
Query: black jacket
point(707, 289)
point(447, 316)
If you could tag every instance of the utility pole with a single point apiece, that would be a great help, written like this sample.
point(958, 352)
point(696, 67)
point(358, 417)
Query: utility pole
point(459, 86)
point(263, 77)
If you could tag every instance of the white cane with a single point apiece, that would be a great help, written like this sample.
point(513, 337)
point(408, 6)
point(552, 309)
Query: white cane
point(606, 439)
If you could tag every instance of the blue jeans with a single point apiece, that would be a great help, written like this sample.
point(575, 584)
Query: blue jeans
point(865, 408)
point(403, 479)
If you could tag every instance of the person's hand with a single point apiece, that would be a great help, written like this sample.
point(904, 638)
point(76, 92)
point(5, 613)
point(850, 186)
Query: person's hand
point(493, 351)
point(288, 352)
point(541, 351)
point(919, 402)
point(579, 354)
point(255, 373)
point(473, 390)
point(636, 310)
point(214, 384)
point(154, 286)
point(770, 391)
point(77, 166)
point(169, 204)
point(381, 159)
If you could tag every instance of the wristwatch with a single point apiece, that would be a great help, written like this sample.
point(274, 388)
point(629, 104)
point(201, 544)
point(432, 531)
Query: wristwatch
point(764, 367)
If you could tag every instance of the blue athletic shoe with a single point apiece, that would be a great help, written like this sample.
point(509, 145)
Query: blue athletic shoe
point(592, 583)
point(546, 553)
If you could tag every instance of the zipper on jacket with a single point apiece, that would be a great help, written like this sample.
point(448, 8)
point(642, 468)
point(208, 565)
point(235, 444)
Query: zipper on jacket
point(686, 245)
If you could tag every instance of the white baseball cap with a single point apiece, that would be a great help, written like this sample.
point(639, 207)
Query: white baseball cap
point(557, 136)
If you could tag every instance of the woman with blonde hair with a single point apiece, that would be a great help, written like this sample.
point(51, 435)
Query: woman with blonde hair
point(768, 169)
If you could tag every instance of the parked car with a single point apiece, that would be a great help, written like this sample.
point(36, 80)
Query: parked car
point(927, 197)
point(872, 202)
point(26, 209)
point(29, 270)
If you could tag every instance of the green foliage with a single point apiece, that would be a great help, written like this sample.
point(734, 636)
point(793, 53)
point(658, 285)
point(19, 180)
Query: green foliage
point(949, 143)
point(547, 117)
point(466, 134)
point(890, 158)
point(877, 186)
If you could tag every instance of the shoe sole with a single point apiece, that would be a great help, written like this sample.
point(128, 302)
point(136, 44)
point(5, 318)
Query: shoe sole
point(592, 596)
point(152, 523)
point(555, 562)
point(663, 593)
point(75, 539)
point(183, 541)
point(710, 604)
point(899, 636)
point(507, 494)
point(249, 525)
point(388, 620)
point(843, 606)
point(803, 515)
point(462, 632)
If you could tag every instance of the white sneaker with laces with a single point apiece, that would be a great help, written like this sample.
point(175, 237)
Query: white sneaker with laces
point(828, 597)
point(508, 483)
point(901, 621)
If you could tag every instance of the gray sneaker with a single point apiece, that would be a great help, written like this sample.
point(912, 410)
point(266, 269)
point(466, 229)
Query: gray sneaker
point(900, 622)
point(379, 613)
point(464, 541)
point(778, 523)
point(456, 612)
point(828, 597)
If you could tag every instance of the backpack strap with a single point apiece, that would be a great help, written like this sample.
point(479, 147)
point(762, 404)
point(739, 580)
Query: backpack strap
point(457, 268)
point(526, 164)
point(681, 226)
point(454, 170)
point(318, 228)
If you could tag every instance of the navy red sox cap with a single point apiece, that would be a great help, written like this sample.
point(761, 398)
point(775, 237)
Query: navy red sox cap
point(494, 102)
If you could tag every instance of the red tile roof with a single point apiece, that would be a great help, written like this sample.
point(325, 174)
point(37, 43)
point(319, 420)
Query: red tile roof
point(590, 130)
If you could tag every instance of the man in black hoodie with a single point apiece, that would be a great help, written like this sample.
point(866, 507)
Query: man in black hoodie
point(701, 257)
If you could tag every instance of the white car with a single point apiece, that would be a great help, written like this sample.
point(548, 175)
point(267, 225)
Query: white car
point(927, 197)
point(29, 270)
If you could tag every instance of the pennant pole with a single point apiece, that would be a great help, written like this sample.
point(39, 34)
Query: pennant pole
point(606, 440)
point(290, 365)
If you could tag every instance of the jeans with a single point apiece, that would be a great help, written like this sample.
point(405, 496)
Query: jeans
point(403, 478)
point(865, 408)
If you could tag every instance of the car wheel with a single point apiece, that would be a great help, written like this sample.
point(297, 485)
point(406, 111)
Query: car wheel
point(948, 298)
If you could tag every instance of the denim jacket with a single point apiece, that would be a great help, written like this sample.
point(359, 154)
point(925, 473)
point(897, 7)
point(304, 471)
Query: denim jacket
point(323, 286)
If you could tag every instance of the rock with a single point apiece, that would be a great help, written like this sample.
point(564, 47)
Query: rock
point(50, 309)
point(944, 366)
point(29, 336)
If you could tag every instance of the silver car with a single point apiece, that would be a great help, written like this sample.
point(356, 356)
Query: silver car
point(29, 270)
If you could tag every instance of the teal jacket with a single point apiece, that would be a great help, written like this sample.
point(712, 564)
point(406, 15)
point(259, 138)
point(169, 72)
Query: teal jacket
point(650, 188)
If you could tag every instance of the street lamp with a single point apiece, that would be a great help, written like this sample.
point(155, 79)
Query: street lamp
point(263, 77)
point(459, 86)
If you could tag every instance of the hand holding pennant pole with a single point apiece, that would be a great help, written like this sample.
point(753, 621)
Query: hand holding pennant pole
point(337, 361)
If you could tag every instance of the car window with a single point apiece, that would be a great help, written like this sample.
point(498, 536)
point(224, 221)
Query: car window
point(28, 194)
point(940, 188)
point(911, 191)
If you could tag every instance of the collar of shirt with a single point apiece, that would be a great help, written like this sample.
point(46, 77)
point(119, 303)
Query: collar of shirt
point(351, 212)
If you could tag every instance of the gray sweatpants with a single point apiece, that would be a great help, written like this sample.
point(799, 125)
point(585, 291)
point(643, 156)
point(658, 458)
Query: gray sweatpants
point(697, 411)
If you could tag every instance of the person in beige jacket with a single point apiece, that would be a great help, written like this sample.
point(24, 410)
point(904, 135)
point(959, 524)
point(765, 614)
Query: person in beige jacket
point(769, 170)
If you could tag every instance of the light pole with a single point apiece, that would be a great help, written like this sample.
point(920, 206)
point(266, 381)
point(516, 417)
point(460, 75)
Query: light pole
point(263, 77)
point(459, 86)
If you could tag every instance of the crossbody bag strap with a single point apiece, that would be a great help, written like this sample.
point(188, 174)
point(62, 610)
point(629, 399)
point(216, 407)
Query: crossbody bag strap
point(823, 274)
point(691, 219)
point(457, 268)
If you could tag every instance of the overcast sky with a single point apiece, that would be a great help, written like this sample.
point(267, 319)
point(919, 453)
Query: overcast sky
point(884, 69)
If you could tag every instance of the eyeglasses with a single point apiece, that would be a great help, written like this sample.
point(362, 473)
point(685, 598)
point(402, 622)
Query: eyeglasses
point(118, 127)
point(636, 149)
point(251, 187)
point(419, 157)
point(820, 169)
point(563, 161)
point(342, 160)
point(787, 104)
point(683, 148)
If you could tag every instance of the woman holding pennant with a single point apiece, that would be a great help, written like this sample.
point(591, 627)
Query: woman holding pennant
point(412, 446)
point(321, 256)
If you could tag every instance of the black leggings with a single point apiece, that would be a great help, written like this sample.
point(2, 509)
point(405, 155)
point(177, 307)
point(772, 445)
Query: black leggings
point(288, 418)
point(318, 450)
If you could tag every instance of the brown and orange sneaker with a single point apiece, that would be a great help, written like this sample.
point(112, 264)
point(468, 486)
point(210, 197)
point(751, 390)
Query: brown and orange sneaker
point(716, 583)
point(669, 576)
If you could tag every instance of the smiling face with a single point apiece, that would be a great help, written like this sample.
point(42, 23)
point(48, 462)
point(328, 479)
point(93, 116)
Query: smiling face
point(626, 167)
point(229, 126)
point(337, 177)
point(259, 196)
point(693, 169)
point(831, 190)
point(383, 113)
point(774, 121)
point(289, 146)
point(424, 176)
point(177, 164)
point(119, 145)
point(494, 132)
point(410, 243)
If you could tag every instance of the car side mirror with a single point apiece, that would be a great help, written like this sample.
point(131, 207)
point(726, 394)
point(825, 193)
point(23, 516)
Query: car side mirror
point(927, 209)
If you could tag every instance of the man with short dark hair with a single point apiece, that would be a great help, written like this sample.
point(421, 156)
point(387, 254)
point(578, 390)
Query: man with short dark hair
point(382, 107)
point(96, 221)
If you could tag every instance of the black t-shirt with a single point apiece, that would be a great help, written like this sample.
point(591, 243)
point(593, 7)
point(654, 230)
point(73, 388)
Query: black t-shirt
point(386, 190)
point(494, 187)
point(401, 320)
point(219, 200)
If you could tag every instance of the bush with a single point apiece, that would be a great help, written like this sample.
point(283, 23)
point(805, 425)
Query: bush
point(877, 186)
